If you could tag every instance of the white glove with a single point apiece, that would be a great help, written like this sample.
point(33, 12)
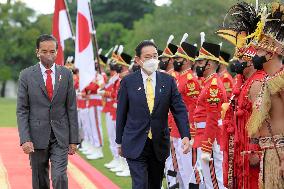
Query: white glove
point(191, 142)
point(115, 105)
point(100, 79)
point(101, 92)
point(206, 156)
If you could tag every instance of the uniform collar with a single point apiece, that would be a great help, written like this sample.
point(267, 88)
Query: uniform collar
point(186, 71)
point(209, 77)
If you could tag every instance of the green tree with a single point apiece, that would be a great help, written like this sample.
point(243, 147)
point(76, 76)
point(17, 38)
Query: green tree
point(110, 34)
point(5, 74)
point(19, 28)
point(191, 16)
point(116, 11)
point(113, 19)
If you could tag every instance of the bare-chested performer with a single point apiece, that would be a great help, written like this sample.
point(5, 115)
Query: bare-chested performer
point(267, 120)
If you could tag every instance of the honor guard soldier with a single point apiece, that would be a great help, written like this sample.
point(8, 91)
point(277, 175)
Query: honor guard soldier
point(207, 116)
point(189, 88)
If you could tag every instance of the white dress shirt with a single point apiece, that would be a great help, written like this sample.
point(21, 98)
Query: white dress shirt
point(153, 80)
point(44, 75)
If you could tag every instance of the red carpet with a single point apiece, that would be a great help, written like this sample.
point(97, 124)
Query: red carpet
point(15, 172)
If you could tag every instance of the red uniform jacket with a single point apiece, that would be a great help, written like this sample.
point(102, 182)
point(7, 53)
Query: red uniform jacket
point(228, 82)
point(208, 110)
point(108, 98)
point(114, 97)
point(81, 102)
point(171, 120)
point(92, 89)
point(189, 88)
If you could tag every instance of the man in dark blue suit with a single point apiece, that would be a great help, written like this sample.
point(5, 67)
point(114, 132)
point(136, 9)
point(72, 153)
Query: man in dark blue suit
point(144, 100)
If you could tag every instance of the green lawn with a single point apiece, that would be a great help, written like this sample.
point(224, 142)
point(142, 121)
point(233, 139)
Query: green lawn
point(8, 112)
point(8, 119)
point(122, 182)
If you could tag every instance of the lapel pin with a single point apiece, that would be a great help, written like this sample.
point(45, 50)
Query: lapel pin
point(139, 88)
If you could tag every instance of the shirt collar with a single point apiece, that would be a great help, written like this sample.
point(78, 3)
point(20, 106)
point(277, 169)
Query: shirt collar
point(43, 69)
point(145, 76)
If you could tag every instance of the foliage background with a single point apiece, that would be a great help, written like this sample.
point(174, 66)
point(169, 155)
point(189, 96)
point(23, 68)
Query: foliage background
point(125, 22)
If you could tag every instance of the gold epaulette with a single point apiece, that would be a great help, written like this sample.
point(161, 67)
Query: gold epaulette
point(214, 81)
point(189, 76)
point(225, 75)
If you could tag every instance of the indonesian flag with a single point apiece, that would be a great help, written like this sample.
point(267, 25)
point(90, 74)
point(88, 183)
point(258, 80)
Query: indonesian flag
point(61, 28)
point(84, 55)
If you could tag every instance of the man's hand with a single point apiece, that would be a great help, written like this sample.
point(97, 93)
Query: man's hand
point(28, 147)
point(205, 156)
point(101, 92)
point(186, 145)
point(72, 149)
point(254, 159)
point(119, 151)
point(100, 79)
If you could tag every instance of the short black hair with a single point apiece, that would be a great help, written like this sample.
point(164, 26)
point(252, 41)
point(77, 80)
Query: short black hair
point(142, 44)
point(46, 37)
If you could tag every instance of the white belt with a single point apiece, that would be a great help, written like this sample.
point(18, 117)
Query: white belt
point(80, 98)
point(95, 97)
point(202, 125)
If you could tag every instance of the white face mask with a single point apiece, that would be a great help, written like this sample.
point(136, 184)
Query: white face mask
point(151, 65)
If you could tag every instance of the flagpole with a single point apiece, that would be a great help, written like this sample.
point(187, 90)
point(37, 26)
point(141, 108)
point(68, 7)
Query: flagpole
point(69, 20)
point(94, 37)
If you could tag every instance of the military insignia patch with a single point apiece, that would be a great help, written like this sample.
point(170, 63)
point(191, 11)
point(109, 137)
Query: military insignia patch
point(213, 96)
point(192, 89)
point(213, 92)
point(190, 86)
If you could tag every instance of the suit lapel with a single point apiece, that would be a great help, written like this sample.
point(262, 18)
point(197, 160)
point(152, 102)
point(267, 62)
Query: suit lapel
point(141, 91)
point(157, 91)
point(57, 80)
point(39, 79)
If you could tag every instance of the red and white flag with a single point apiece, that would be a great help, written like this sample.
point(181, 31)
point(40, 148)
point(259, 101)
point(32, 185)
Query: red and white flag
point(61, 28)
point(84, 54)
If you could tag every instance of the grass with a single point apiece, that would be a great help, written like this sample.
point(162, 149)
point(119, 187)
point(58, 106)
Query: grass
point(122, 182)
point(8, 112)
point(8, 119)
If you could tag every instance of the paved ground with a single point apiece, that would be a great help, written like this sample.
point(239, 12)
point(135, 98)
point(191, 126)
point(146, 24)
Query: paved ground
point(15, 172)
